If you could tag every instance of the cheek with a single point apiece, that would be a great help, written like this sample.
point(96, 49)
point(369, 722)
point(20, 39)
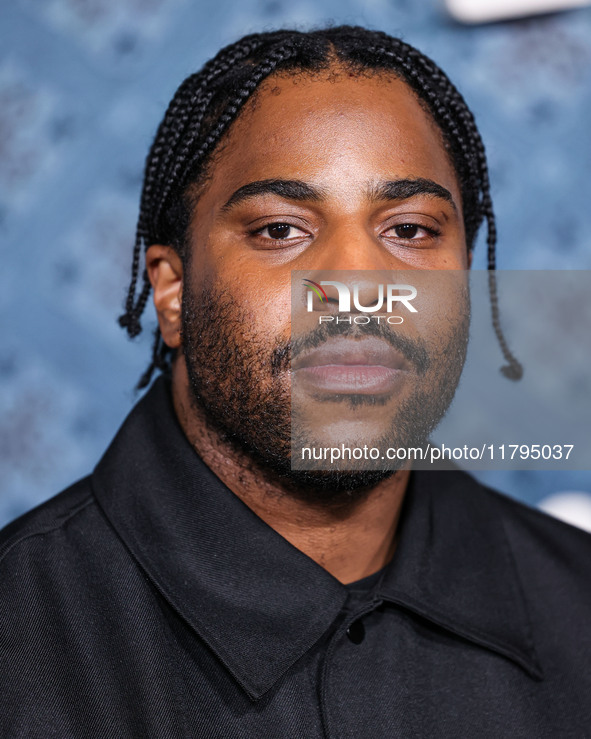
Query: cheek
point(455, 261)
point(262, 302)
point(442, 304)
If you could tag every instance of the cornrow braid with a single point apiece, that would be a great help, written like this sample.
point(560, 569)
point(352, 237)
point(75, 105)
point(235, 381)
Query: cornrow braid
point(169, 132)
point(208, 102)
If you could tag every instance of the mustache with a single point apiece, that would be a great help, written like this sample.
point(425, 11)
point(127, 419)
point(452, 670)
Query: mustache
point(414, 351)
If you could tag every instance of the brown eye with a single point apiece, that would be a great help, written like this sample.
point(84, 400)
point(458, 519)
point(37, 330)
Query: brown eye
point(406, 230)
point(278, 230)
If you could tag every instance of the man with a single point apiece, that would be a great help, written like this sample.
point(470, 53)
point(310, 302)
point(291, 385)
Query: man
point(195, 585)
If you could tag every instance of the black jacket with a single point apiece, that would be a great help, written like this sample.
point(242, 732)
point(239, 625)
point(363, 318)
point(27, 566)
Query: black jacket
point(148, 601)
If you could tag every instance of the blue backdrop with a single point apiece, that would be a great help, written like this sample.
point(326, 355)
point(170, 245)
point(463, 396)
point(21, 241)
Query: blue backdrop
point(83, 85)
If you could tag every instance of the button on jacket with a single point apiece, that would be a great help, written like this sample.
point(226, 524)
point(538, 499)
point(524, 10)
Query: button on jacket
point(148, 601)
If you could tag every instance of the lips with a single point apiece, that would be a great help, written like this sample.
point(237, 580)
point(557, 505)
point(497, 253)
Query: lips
point(351, 366)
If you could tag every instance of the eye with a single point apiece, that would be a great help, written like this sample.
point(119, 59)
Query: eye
point(406, 230)
point(412, 231)
point(281, 232)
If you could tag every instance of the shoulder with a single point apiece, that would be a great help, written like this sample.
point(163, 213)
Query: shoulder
point(553, 561)
point(50, 516)
point(55, 538)
point(475, 506)
point(541, 535)
point(527, 567)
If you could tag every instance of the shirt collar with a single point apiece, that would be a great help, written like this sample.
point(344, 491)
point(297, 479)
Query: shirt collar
point(454, 565)
point(258, 602)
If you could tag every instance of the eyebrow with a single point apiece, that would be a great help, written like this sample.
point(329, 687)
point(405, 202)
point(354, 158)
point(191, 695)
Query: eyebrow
point(408, 188)
point(288, 189)
point(302, 191)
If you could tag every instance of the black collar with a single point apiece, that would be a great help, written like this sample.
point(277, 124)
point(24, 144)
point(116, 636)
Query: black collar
point(224, 570)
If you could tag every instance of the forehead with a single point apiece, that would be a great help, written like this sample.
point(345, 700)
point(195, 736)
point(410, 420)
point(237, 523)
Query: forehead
point(338, 130)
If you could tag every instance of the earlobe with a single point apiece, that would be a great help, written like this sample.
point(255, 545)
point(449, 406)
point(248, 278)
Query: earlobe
point(165, 270)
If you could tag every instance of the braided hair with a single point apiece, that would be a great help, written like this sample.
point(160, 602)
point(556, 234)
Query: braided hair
point(208, 102)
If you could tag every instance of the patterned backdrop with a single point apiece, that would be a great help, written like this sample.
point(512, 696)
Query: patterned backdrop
point(83, 85)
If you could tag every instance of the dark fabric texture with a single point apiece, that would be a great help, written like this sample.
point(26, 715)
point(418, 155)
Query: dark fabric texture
point(148, 601)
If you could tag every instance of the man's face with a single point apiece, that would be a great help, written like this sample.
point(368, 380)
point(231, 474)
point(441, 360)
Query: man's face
point(331, 145)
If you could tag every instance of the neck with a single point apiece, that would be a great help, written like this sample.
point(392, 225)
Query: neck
point(350, 542)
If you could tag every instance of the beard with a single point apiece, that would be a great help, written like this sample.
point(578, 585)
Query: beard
point(239, 383)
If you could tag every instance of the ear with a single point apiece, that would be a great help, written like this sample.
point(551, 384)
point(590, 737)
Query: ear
point(165, 270)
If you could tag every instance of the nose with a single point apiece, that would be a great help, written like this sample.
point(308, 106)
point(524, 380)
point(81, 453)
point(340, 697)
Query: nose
point(352, 248)
point(352, 255)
